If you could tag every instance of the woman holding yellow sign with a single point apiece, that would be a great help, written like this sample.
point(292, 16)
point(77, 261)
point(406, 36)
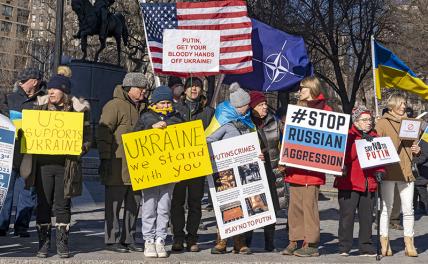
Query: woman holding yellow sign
point(58, 177)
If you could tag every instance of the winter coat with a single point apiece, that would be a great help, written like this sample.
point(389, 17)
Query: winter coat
point(228, 130)
point(204, 113)
point(4, 110)
point(73, 177)
point(422, 163)
point(356, 179)
point(264, 145)
point(149, 118)
point(271, 128)
point(389, 126)
point(18, 101)
point(306, 177)
point(119, 116)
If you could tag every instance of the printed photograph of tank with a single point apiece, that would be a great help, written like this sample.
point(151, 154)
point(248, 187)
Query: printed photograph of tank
point(256, 204)
point(231, 212)
point(224, 180)
point(249, 172)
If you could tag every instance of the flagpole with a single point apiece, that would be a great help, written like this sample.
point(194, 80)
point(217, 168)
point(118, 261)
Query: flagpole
point(157, 80)
point(217, 91)
point(374, 75)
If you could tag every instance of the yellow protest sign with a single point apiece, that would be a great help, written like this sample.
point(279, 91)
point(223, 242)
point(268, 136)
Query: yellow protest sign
point(160, 156)
point(52, 132)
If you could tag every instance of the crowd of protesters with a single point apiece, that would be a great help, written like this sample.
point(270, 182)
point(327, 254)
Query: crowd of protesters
point(50, 181)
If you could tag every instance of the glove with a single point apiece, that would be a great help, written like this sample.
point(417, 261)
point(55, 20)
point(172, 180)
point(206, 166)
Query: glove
point(105, 169)
point(379, 176)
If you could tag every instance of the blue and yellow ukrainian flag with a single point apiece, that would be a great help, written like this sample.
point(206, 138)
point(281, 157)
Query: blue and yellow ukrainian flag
point(391, 72)
point(425, 135)
point(225, 113)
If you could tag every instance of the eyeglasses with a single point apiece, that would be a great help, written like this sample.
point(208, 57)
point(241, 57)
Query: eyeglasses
point(365, 119)
point(302, 87)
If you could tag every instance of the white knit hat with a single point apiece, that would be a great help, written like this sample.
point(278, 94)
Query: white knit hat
point(238, 97)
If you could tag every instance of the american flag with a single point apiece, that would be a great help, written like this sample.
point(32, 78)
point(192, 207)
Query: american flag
point(230, 17)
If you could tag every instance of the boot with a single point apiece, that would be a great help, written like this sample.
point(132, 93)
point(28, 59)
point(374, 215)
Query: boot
point(386, 248)
point(289, 250)
point(220, 247)
point(44, 232)
point(239, 245)
point(269, 240)
point(62, 232)
point(308, 250)
point(410, 249)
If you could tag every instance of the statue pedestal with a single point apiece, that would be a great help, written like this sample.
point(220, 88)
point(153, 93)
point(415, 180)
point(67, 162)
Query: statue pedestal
point(95, 82)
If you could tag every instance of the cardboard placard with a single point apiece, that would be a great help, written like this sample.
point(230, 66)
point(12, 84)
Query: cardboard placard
point(161, 156)
point(191, 50)
point(7, 146)
point(314, 139)
point(410, 129)
point(379, 152)
point(52, 132)
point(239, 187)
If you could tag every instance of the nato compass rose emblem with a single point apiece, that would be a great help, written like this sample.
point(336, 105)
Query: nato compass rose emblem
point(277, 67)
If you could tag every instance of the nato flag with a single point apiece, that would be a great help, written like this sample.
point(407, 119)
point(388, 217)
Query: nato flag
point(280, 61)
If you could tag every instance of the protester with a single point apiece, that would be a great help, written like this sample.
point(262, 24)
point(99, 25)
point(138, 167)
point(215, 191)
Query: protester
point(119, 116)
point(58, 178)
point(420, 198)
point(190, 108)
point(303, 215)
point(269, 132)
point(177, 88)
point(25, 97)
point(400, 174)
point(157, 200)
point(235, 121)
point(4, 110)
point(357, 188)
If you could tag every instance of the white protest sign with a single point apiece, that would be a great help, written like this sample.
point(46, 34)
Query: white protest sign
point(315, 139)
point(191, 50)
point(410, 129)
point(379, 152)
point(7, 144)
point(239, 187)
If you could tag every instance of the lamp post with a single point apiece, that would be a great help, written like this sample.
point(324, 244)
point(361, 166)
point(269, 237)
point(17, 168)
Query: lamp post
point(58, 33)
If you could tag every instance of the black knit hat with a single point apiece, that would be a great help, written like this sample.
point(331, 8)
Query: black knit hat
point(60, 82)
point(193, 81)
point(161, 93)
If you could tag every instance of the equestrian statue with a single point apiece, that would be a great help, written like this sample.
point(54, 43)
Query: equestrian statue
point(98, 20)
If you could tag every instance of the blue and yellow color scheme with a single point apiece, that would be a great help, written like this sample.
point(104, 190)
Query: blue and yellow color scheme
point(391, 72)
point(225, 113)
point(425, 135)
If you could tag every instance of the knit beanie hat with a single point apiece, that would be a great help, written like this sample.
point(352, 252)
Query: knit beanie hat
point(134, 79)
point(358, 111)
point(60, 82)
point(193, 81)
point(238, 97)
point(161, 93)
point(256, 98)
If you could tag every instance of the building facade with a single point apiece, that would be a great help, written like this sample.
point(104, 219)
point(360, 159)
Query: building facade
point(14, 29)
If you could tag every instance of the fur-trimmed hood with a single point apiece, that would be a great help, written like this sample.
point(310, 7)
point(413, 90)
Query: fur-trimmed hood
point(79, 104)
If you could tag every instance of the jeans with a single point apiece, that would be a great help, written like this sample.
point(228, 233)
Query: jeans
point(406, 190)
point(26, 200)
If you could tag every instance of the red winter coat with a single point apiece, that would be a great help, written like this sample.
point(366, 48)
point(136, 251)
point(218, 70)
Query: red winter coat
point(305, 177)
point(356, 178)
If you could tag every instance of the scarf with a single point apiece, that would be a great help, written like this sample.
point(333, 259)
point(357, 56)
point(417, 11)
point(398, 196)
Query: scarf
point(166, 112)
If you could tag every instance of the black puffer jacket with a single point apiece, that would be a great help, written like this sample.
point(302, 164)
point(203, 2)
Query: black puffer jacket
point(19, 101)
point(204, 113)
